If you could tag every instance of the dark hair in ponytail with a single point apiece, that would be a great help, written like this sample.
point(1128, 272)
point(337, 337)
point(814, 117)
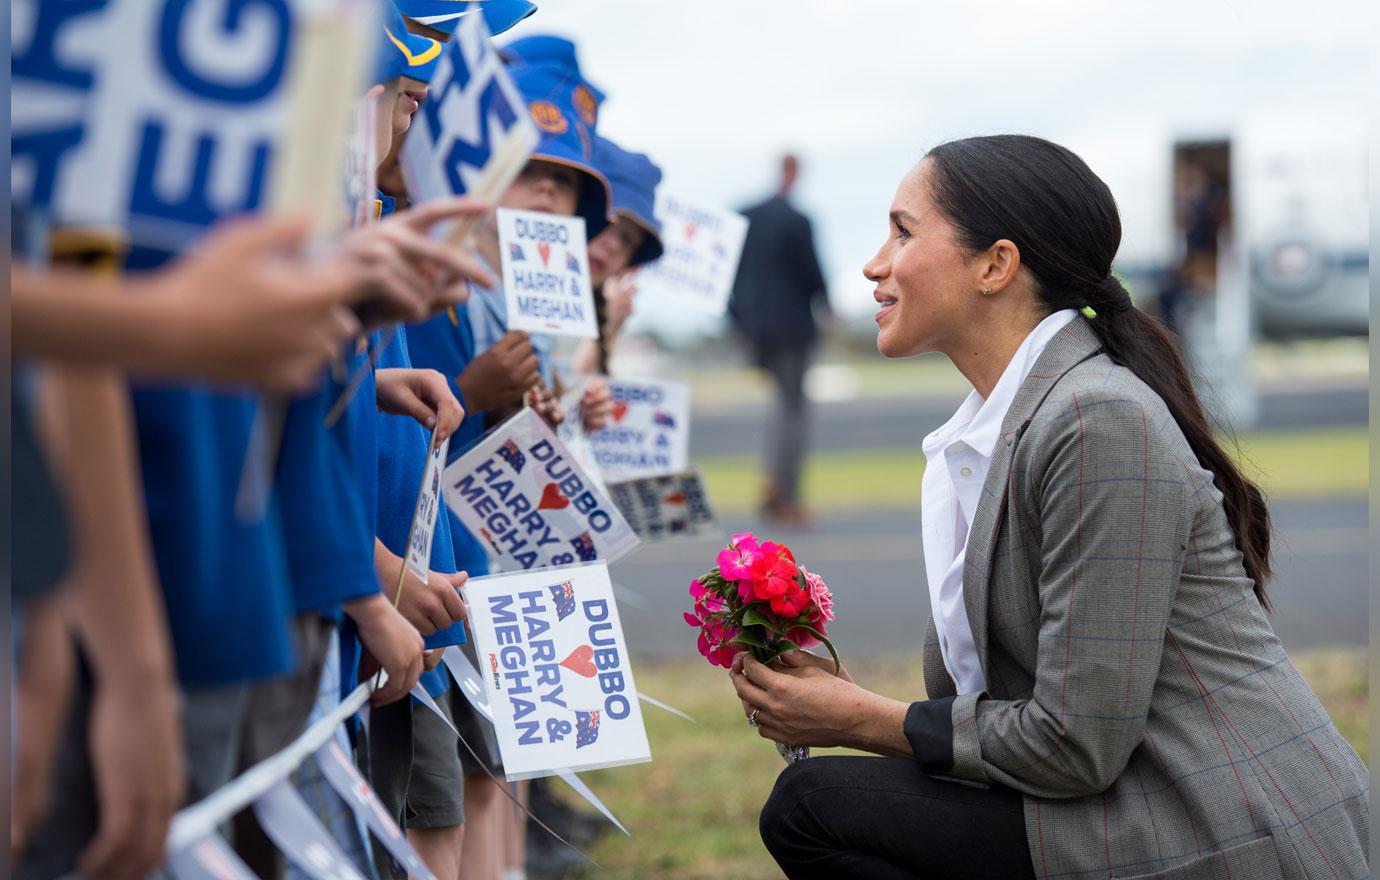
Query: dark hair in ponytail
point(1062, 217)
point(601, 343)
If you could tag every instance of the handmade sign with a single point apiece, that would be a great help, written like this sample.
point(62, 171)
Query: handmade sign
point(556, 671)
point(572, 433)
point(546, 274)
point(666, 508)
point(650, 433)
point(423, 528)
point(703, 245)
point(530, 505)
point(472, 117)
point(160, 117)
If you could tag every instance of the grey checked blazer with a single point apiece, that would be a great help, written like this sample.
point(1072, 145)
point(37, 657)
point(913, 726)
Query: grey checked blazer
point(1137, 696)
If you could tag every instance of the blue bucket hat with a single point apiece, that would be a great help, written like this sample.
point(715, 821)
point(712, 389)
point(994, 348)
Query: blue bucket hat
point(445, 15)
point(565, 140)
point(558, 53)
point(401, 53)
point(633, 178)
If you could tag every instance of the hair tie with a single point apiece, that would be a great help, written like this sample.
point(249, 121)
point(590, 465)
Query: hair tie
point(1088, 312)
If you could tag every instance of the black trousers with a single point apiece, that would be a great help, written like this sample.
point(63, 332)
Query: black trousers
point(885, 819)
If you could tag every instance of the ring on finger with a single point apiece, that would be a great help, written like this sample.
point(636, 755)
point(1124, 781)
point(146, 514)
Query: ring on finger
point(752, 717)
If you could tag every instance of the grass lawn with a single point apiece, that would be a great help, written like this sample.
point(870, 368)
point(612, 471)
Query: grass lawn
point(1327, 463)
point(693, 810)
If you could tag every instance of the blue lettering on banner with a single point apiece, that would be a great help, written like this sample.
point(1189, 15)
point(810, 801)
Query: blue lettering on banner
point(512, 523)
point(254, 87)
point(526, 671)
point(493, 104)
point(38, 60)
point(194, 206)
point(34, 63)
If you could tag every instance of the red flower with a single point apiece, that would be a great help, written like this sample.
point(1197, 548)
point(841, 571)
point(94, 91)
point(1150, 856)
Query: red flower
point(773, 573)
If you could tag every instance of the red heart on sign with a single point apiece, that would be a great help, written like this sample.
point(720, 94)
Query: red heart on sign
point(552, 499)
point(689, 231)
point(674, 498)
point(620, 409)
point(581, 661)
point(545, 250)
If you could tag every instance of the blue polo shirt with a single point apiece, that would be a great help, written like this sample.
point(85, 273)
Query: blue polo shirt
point(446, 343)
point(402, 461)
point(329, 538)
point(225, 582)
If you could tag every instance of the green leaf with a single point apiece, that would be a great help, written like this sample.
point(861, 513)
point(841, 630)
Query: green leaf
point(828, 644)
point(750, 640)
point(753, 617)
point(783, 646)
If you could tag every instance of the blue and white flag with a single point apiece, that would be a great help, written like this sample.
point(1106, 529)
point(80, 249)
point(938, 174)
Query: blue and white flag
point(160, 117)
point(473, 114)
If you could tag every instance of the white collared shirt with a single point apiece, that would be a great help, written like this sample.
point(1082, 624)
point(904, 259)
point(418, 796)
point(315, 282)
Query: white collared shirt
point(958, 456)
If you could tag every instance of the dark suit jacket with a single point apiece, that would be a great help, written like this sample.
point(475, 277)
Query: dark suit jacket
point(778, 276)
point(1136, 694)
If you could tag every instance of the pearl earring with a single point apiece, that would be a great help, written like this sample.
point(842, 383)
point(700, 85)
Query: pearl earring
point(987, 291)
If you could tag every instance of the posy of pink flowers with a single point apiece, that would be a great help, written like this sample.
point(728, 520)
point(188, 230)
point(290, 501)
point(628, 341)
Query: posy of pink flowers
point(759, 599)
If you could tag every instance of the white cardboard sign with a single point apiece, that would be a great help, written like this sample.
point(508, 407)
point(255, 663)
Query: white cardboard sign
point(521, 493)
point(556, 671)
point(423, 528)
point(666, 508)
point(160, 117)
point(471, 112)
point(650, 430)
point(703, 245)
point(546, 284)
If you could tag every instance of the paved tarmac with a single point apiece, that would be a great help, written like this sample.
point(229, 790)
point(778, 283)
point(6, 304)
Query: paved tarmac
point(874, 564)
point(890, 422)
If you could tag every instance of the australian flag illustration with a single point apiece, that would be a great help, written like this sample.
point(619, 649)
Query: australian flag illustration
point(515, 253)
point(584, 547)
point(572, 264)
point(586, 728)
point(510, 453)
point(564, 597)
point(664, 419)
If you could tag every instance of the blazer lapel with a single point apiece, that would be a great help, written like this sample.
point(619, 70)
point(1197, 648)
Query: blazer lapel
point(1069, 347)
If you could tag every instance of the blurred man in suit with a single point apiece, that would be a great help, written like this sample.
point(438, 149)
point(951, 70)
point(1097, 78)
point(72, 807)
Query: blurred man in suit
point(779, 281)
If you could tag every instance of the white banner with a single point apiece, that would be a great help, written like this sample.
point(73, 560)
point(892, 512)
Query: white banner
point(650, 431)
point(159, 117)
point(522, 495)
point(666, 508)
point(556, 671)
point(703, 245)
point(546, 283)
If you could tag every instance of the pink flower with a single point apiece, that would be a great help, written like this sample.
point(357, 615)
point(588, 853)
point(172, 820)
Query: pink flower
point(714, 643)
point(707, 604)
point(820, 597)
point(736, 562)
point(802, 637)
point(742, 538)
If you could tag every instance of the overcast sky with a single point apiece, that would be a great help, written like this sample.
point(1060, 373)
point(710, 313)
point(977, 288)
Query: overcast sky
point(715, 89)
